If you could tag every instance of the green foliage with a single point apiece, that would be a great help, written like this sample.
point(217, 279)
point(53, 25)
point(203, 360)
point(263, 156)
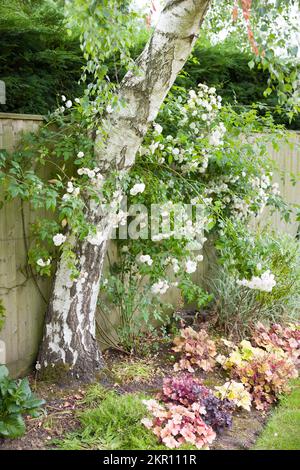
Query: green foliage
point(94, 395)
point(38, 60)
point(114, 425)
point(137, 311)
point(106, 29)
point(2, 314)
point(238, 308)
point(269, 31)
point(16, 400)
point(226, 67)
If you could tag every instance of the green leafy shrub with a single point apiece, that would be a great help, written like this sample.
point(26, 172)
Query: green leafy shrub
point(16, 401)
point(38, 60)
point(226, 67)
point(238, 308)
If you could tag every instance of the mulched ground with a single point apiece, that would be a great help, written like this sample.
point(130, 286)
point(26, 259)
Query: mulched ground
point(63, 403)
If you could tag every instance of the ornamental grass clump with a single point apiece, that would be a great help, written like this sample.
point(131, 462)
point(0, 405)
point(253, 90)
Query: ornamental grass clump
point(197, 350)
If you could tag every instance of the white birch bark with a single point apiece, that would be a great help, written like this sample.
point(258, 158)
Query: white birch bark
point(69, 335)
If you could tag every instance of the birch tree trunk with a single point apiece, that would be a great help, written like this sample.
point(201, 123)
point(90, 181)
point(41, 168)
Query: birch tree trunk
point(69, 336)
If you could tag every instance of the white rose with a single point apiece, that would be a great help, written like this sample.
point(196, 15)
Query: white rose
point(137, 188)
point(158, 128)
point(190, 266)
point(146, 259)
point(70, 187)
point(59, 239)
point(91, 173)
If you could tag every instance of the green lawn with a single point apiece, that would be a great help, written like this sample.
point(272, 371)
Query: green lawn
point(283, 429)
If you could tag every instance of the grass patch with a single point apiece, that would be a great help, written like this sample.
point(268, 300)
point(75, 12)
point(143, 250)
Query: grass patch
point(283, 429)
point(94, 395)
point(115, 424)
point(137, 371)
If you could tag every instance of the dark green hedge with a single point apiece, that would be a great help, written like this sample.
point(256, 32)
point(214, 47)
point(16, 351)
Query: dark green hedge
point(39, 62)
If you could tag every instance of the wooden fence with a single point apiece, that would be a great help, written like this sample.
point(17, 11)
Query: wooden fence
point(21, 296)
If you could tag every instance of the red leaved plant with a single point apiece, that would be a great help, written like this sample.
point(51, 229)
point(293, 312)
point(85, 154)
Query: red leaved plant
point(197, 350)
point(176, 425)
point(278, 336)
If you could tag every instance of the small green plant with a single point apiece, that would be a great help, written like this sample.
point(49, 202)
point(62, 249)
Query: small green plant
point(136, 309)
point(94, 395)
point(16, 401)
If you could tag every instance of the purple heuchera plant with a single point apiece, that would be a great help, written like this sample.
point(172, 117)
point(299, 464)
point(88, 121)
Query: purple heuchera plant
point(186, 390)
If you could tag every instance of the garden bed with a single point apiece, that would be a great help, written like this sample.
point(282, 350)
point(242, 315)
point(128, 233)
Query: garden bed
point(64, 404)
point(222, 401)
